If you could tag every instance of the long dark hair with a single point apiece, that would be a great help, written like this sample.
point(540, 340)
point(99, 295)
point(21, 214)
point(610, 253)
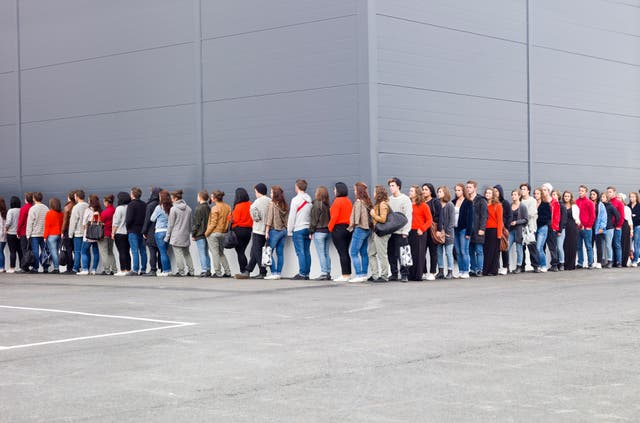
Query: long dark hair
point(164, 198)
point(278, 198)
point(94, 203)
point(242, 196)
point(15, 203)
point(123, 198)
point(3, 208)
point(341, 189)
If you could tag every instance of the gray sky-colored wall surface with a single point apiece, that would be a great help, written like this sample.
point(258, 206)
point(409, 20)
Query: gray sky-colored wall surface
point(186, 94)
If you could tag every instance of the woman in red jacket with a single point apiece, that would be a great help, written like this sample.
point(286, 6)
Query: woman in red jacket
point(420, 223)
point(493, 233)
point(53, 231)
point(242, 225)
point(105, 245)
point(340, 213)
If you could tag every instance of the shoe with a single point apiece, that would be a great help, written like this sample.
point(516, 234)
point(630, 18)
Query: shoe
point(393, 278)
point(272, 277)
point(464, 275)
point(537, 270)
point(357, 279)
point(132, 273)
point(341, 279)
point(597, 265)
point(503, 271)
point(449, 275)
point(93, 273)
point(226, 275)
point(440, 274)
point(371, 278)
point(430, 277)
point(608, 265)
point(425, 276)
point(203, 274)
point(404, 279)
point(379, 280)
point(120, 274)
point(261, 276)
point(82, 273)
point(517, 270)
point(55, 272)
point(561, 267)
point(298, 277)
point(322, 277)
point(472, 273)
point(242, 275)
point(543, 269)
point(553, 269)
point(189, 274)
point(152, 273)
point(11, 271)
point(479, 274)
point(634, 264)
point(578, 266)
point(163, 274)
point(34, 271)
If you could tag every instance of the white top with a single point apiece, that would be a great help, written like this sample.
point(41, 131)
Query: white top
point(628, 216)
point(119, 220)
point(402, 204)
point(3, 229)
point(457, 216)
point(299, 220)
point(12, 221)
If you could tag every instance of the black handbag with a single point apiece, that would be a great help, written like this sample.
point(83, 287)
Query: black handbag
point(395, 221)
point(230, 239)
point(28, 257)
point(63, 256)
point(95, 230)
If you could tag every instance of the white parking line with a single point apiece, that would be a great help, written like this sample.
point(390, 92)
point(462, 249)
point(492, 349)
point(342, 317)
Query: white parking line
point(170, 325)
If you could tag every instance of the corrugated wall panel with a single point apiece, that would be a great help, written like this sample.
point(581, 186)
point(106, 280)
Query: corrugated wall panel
point(8, 36)
point(8, 98)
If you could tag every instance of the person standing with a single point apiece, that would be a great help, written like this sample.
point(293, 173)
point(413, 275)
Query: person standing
point(3, 233)
point(599, 230)
point(178, 233)
point(571, 230)
point(258, 212)
point(161, 218)
point(378, 259)
point(531, 228)
point(494, 227)
point(429, 195)
point(554, 226)
point(90, 246)
point(298, 226)
point(200, 221)
point(340, 214)
point(613, 216)
point(148, 233)
point(359, 225)
point(519, 219)
point(136, 212)
point(587, 218)
point(544, 223)
point(12, 236)
point(53, 230)
point(276, 229)
point(35, 230)
point(241, 225)
point(555, 194)
point(420, 226)
point(446, 225)
point(319, 231)
point(463, 208)
point(634, 205)
point(480, 215)
point(76, 228)
point(119, 234)
point(506, 221)
point(67, 235)
point(217, 226)
point(400, 203)
point(105, 245)
point(627, 230)
point(23, 217)
point(612, 195)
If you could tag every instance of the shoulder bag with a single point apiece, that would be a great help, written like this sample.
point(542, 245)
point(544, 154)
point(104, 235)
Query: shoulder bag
point(230, 239)
point(95, 230)
point(395, 221)
point(504, 240)
point(437, 236)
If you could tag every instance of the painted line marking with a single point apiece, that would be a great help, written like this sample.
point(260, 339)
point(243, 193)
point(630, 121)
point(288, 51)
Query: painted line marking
point(169, 325)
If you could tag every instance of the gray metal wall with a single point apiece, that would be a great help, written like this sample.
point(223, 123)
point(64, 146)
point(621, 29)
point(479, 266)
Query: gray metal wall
point(213, 94)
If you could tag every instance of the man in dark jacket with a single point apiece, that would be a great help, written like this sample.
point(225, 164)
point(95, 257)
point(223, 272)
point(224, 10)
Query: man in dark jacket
point(136, 211)
point(480, 215)
point(149, 232)
point(506, 221)
point(200, 220)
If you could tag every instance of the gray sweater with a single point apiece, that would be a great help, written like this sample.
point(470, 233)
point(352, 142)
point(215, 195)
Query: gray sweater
point(35, 220)
point(258, 212)
point(76, 225)
point(402, 204)
point(179, 228)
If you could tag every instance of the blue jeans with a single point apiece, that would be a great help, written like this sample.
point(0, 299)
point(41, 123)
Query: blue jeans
point(321, 241)
point(359, 251)
point(609, 236)
point(445, 249)
point(53, 241)
point(2, 244)
point(138, 252)
point(617, 245)
point(541, 239)
point(519, 251)
point(93, 246)
point(561, 247)
point(462, 249)
point(37, 246)
point(203, 252)
point(276, 242)
point(636, 244)
point(584, 237)
point(77, 252)
point(476, 252)
point(162, 248)
point(302, 245)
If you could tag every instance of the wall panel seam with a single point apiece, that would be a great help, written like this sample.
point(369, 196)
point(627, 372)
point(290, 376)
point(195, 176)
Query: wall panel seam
point(451, 92)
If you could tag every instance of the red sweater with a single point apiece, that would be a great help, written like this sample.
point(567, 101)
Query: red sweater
point(340, 212)
point(555, 214)
point(620, 207)
point(587, 212)
point(421, 217)
point(22, 220)
point(494, 219)
point(107, 218)
point(242, 216)
point(53, 223)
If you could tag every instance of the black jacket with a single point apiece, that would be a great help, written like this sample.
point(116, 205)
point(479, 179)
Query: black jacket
point(149, 227)
point(480, 215)
point(200, 220)
point(136, 211)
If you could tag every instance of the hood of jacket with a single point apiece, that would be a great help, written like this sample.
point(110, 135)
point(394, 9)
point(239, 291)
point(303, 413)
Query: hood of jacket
point(501, 191)
point(155, 195)
point(180, 205)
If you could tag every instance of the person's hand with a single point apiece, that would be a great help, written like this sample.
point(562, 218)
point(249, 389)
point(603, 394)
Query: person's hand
point(480, 232)
point(404, 236)
point(372, 212)
point(513, 223)
point(311, 236)
point(420, 232)
point(467, 237)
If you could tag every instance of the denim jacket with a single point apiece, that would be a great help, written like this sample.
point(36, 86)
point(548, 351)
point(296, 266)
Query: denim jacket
point(601, 220)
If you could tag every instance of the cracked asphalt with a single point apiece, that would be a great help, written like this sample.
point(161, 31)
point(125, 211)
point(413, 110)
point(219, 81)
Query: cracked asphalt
point(554, 347)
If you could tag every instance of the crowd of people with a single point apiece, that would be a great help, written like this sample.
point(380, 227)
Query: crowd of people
point(475, 230)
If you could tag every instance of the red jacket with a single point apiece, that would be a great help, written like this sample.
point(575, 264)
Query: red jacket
point(587, 212)
point(494, 218)
point(555, 214)
point(241, 215)
point(107, 219)
point(421, 217)
point(340, 212)
point(620, 207)
point(22, 220)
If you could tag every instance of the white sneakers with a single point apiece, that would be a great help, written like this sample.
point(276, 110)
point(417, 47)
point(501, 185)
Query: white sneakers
point(543, 269)
point(503, 271)
point(464, 275)
point(160, 274)
point(357, 279)
point(341, 279)
point(82, 273)
point(430, 277)
point(120, 273)
point(272, 277)
point(11, 270)
point(595, 265)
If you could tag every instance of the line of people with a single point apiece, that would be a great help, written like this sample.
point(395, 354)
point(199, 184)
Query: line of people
point(476, 230)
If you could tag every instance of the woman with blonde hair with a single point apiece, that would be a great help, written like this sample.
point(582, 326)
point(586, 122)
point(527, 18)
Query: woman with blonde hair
point(446, 225)
point(493, 233)
point(463, 227)
point(359, 226)
point(421, 220)
point(378, 258)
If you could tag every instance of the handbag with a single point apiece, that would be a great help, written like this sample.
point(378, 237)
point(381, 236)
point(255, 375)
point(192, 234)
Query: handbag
point(95, 230)
point(405, 256)
point(28, 256)
point(528, 236)
point(45, 256)
point(504, 240)
point(266, 255)
point(437, 236)
point(63, 256)
point(230, 239)
point(395, 221)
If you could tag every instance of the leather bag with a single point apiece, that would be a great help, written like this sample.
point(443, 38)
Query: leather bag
point(437, 236)
point(395, 221)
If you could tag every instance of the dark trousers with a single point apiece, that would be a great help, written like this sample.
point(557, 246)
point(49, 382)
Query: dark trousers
point(600, 244)
point(552, 245)
point(255, 255)
point(433, 254)
point(14, 248)
point(124, 257)
point(67, 242)
point(418, 245)
point(244, 236)
point(24, 247)
point(533, 255)
point(491, 252)
point(155, 261)
point(393, 251)
point(341, 239)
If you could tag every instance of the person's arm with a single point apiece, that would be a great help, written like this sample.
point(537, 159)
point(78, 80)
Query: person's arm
point(146, 226)
point(428, 219)
point(408, 207)
point(170, 224)
point(211, 223)
point(291, 222)
point(484, 215)
point(499, 214)
point(334, 211)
